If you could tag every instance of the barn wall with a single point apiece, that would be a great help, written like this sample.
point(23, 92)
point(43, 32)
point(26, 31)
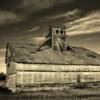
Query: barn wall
point(40, 74)
point(11, 76)
point(42, 77)
point(46, 67)
point(11, 82)
point(55, 77)
point(11, 68)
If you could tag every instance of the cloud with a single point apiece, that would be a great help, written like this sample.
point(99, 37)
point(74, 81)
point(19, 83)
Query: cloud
point(34, 29)
point(41, 4)
point(68, 15)
point(30, 6)
point(37, 5)
point(86, 25)
point(8, 17)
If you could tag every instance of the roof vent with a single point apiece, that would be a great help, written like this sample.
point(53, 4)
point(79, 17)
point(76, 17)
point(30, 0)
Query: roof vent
point(56, 38)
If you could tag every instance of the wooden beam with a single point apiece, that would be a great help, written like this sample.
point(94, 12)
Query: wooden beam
point(43, 43)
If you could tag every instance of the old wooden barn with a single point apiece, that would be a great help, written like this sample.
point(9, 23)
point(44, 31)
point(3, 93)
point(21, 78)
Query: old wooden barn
point(51, 64)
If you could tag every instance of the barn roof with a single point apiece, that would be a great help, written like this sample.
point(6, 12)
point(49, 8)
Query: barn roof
point(25, 53)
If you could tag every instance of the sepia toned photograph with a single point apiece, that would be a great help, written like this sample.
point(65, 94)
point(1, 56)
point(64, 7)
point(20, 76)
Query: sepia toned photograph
point(49, 49)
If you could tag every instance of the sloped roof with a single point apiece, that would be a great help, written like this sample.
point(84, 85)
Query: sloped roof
point(25, 53)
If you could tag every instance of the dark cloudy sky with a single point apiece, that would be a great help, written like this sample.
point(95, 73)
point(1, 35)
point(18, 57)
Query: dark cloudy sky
point(22, 20)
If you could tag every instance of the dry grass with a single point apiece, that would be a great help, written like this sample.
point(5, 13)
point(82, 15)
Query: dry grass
point(86, 94)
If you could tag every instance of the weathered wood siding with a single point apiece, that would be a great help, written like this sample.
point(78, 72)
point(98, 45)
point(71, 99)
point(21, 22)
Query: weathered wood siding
point(11, 68)
point(41, 73)
point(11, 76)
point(55, 77)
point(61, 68)
point(11, 82)
point(43, 77)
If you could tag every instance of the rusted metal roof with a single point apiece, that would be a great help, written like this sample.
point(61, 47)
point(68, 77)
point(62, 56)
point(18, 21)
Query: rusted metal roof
point(25, 53)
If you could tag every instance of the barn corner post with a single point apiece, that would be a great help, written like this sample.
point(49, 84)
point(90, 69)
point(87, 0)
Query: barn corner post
point(10, 69)
point(11, 80)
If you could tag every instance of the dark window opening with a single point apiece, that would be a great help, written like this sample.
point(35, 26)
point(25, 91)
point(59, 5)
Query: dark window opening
point(61, 32)
point(2, 76)
point(57, 31)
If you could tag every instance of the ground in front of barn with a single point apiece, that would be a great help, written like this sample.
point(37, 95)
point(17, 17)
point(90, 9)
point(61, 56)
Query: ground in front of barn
point(72, 94)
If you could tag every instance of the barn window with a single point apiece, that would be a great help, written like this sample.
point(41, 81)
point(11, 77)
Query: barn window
point(57, 31)
point(61, 31)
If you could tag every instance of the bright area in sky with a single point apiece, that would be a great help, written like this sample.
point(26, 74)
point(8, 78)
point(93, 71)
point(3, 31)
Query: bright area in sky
point(2, 61)
point(88, 24)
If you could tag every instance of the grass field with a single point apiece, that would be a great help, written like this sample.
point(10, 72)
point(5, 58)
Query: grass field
point(73, 94)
